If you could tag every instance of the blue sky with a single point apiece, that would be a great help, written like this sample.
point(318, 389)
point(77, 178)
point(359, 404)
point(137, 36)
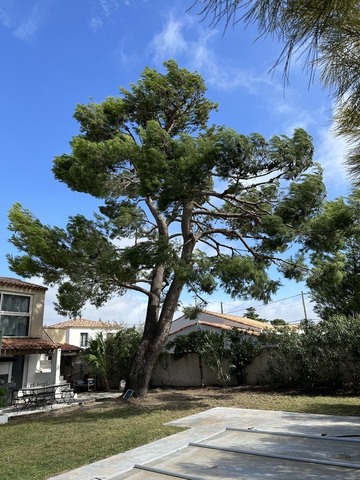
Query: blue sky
point(55, 54)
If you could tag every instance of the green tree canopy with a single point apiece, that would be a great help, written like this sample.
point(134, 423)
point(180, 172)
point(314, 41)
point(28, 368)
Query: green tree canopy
point(251, 312)
point(335, 243)
point(326, 34)
point(200, 207)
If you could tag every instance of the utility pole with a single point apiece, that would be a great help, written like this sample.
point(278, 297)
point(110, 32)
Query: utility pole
point(303, 302)
point(305, 315)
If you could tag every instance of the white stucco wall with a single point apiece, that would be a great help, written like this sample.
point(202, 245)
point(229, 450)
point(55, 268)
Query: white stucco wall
point(73, 334)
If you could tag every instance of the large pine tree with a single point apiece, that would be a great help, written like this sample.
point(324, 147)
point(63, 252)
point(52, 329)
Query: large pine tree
point(204, 207)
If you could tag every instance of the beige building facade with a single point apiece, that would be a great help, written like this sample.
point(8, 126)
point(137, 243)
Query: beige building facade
point(80, 331)
point(26, 357)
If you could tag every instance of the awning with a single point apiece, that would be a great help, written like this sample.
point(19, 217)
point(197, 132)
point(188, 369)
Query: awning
point(27, 345)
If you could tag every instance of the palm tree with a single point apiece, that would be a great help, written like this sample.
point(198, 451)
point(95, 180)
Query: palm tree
point(325, 33)
point(96, 357)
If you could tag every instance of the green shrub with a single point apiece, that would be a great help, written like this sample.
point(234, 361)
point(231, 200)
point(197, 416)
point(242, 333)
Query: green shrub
point(326, 354)
point(3, 396)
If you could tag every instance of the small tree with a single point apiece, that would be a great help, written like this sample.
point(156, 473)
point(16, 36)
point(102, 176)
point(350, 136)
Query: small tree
point(278, 321)
point(251, 313)
point(243, 348)
point(96, 357)
point(120, 351)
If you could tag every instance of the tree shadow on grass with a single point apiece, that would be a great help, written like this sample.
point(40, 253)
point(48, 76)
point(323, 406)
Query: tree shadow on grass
point(120, 409)
point(171, 404)
point(337, 409)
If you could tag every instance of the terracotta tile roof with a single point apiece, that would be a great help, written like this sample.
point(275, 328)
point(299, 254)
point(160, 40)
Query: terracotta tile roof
point(15, 282)
point(82, 323)
point(31, 344)
point(241, 320)
point(66, 347)
point(220, 326)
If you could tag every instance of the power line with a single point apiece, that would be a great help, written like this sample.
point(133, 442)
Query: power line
point(270, 303)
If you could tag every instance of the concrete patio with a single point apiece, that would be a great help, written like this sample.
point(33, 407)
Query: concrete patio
point(232, 443)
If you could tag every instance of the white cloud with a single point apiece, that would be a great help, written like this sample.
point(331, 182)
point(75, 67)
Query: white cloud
point(96, 23)
point(25, 25)
point(170, 41)
point(108, 6)
point(125, 59)
point(184, 36)
point(331, 152)
point(291, 309)
point(129, 309)
point(5, 18)
point(293, 115)
point(330, 149)
point(29, 27)
point(104, 10)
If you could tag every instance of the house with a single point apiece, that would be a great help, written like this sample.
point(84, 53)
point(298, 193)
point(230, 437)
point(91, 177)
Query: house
point(26, 357)
point(190, 370)
point(216, 322)
point(79, 331)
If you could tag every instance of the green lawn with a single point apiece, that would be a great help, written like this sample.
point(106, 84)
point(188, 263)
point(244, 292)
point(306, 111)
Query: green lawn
point(39, 446)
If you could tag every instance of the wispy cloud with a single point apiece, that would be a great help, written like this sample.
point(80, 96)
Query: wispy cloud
point(170, 41)
point(26, 24)
point(290, 309)
point(129, 309)
point(330, 150)
point(331, 154)
point(104, 10)
point(5, 18)
point(29, 27)
point(182, 36)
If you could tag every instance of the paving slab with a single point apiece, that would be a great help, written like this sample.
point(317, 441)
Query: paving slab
point(267, 444)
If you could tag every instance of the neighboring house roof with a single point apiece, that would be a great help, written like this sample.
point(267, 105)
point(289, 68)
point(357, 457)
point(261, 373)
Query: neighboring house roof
point(30, 345)
point(15, 282)
point(82, 323)
point(220, 326)
point(217, 321)
point(248, 322)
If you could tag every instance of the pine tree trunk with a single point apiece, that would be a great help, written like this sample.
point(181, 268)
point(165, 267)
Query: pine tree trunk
point(143, 364)
point(154, 339)
point(106, 386)
point(158, 319)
